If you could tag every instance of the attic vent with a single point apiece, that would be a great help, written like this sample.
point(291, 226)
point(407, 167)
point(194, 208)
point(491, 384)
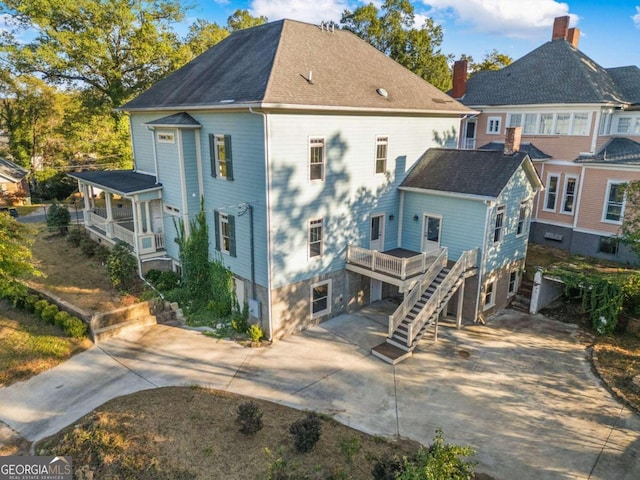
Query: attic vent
point(382, 92)
point(227, 101)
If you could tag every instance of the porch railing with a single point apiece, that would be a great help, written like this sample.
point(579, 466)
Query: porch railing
point(375, 261)
point(159, 239)
point(123, 234)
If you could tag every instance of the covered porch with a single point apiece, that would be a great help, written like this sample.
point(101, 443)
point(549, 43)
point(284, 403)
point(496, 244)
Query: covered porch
point(131, 211)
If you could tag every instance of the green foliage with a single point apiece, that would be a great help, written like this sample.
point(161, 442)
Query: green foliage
point(306, 432)
point(58, 218)
point(255, 333)
point(121, 267)
point(240, 322)
point(630, 230)
point(88, 247)
point(75, 327)
point(60, 319)
point(39, 306)
point(388, 467)
point(631, 295)
point(15, 254)
point(163, 281)
point(492, 61)
point(54, 185)
point(75, 236)
point(49, 313)
point(30, 302)
point(350, 447)
point(440, 461)
point(249, 418)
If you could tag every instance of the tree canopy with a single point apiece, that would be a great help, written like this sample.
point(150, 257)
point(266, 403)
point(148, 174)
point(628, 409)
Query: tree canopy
point(492, 60)
point(15, 254)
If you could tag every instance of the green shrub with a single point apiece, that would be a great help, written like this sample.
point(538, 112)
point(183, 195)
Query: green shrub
point(388, 467)
point(101, 253)
point(121, 266)
point(249, 418)
point(58, 218)
point(49, 313)
point(30, 302)
point(350, 447)
point(631, 295)
point(240, 322)
point(75, 236)
point(39, 306)
point(60, 318)
point(152, 276)
point(75, 327)
point(255, 332)
point(88, 246)
point(167, 281)
point(306, 432)
point(18, 299)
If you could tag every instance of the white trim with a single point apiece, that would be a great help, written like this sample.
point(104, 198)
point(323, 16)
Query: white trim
point(516, 282)
point(596, 130)
point(604, 219)
point(492, 281)
point(375, 154)
point(317, 138)
point(525, 220)
point(547, 191)
point(564, 163)
point(199, 163)
point(171, 210)
point(151, 174)
point(400, 219)
point(568, 177)
point(612, 166)
point(426, 215)
point(579, 198)
point(553, 223)
point(155, 154)
point(382, 228)
point(590, 231)
point(496, 122)
point(502, 208)
point(183, 185)
point(321, 223)
point(166, 136)
point(222, 219)
point(327, 310)
point(468, 196)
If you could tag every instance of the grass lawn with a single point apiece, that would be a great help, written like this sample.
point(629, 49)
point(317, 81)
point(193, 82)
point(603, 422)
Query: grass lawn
point(190, 433)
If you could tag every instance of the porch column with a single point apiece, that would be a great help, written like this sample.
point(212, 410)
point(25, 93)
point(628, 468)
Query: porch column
point(147, 212)
point(137, 218)
point(109, 221)
point(460, 305)
point(136, 227)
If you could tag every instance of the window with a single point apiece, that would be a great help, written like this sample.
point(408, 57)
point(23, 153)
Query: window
point(220, 152)
point(225, 226)
point(490, 295)
point(623, 124)
point(562, 124)
point(316, 228)
point(568, 200)
point(546, 122)
point(580, 124)
point(605, 123)
point(609, 245)
point(166, 136)
point(513, 282)
point(171, 210)
point(381, 154)
point(320, 299)
point(316, 159)
point(614, 204)
point(636, 127)
point(515, 120)
point(493, 125)
point(498, 230)
point(522, 219)
point(552, 193)
point(530, 120)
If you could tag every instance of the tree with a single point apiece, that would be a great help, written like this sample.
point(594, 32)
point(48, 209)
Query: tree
point(15, 255)
point(630, 230)
point(59, 218)
point(392, 30)
point(493, 60)
point(241, 19)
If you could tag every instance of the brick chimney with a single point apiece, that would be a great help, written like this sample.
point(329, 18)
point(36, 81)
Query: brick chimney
point(459, 79)
point(560, 28)
point(512, 140)
point(573, 36)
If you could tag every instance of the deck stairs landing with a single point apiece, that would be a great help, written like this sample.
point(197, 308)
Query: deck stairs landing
point(423, 305)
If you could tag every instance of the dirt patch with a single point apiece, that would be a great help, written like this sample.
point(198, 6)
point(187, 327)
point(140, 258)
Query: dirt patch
point(190, 433)
point(72, 276)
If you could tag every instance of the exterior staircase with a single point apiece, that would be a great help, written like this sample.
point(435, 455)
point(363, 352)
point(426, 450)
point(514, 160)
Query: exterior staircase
point(522, 299)
point(423, 305)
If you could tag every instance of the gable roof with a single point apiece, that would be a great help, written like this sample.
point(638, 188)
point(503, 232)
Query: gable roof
point(123, 182)
point(529, 148)
point(618, 150)
point(182, 119)
point(11, 171)
point(296, 65)
point(555, 72)
point(482, 173)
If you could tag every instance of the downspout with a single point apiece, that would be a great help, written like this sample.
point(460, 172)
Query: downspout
point(400, 220)
point(252, 246)
point(267, 180)
point(578, 200)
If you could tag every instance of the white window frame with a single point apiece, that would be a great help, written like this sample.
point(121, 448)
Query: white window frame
point(171, 210)
point(223, 224)
point(627, 125)
point(515, 120)
point(492, 299)
point(548, 192)
point(494, 125)
point(556, 123)
point(166, 136)
point(546, 123)
point(327, 310)
point(382, 140)
point(563, 206)
point(636, 126)
point(499, 227)
point(512, 287)
point(534, 125)
point(605, 123)
point(587, 124)
point(316, 142)
point(315, 223)
point(521, 226)
point(219, 144)
point(610, 183)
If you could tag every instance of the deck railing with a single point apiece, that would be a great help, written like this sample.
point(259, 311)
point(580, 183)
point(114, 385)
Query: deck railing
point(375, 261)
point(123, 234)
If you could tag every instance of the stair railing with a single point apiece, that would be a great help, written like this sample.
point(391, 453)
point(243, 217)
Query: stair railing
point(467, 260)
point(416, 292)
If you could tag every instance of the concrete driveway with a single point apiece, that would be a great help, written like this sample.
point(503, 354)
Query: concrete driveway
point(519, 390)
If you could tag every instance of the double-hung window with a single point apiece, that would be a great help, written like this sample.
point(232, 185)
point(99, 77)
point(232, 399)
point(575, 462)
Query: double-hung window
point(569, 198)
point(614, 203)
point(316, 237)
point(498, 229)
point(563, 120)
point(513, 282)
point(225, 227)
point(321, 299)
point(580, 124)
point(522, 219)
point(552, 193)
point(624, 124)
point(381, 154)
point(493, 125)
point(530, 121)
point(546, 124)
point(515, 120)
point(316, 159)
point(220, 153)
point(490, 294)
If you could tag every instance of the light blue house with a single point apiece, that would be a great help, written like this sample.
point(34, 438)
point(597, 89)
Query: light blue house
point(298, 138)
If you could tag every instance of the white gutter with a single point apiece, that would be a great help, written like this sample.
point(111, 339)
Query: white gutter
point(466, 196)
point(267, 171)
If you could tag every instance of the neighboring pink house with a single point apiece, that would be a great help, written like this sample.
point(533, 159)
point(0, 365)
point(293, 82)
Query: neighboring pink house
point(580, 126)
point(14, 188)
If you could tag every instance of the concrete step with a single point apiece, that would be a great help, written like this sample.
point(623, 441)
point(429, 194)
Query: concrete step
point(389, 353)
point(120, 329)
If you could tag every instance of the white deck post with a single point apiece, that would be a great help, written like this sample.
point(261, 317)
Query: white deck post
point(460, 305)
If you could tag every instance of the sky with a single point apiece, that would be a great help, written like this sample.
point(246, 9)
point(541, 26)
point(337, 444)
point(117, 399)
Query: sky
point(610, 30)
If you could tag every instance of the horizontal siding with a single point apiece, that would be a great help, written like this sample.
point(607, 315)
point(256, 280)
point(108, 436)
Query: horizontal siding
point(351, 191)
point(462, 226)
point(557, 216)
point(142, 141)
point(191, 171)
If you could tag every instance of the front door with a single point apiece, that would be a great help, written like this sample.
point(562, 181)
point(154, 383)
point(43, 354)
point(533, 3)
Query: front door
point(376, 239)
point(431, 230)
point(376, 290)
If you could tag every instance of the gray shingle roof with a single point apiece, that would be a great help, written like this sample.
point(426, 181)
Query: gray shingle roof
point(469, 172)
point(618, 150)
point(269, 65)
point(11, 171)
point(121, 181)
point(555, 72)
point(529, 148)
point(182, 119)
